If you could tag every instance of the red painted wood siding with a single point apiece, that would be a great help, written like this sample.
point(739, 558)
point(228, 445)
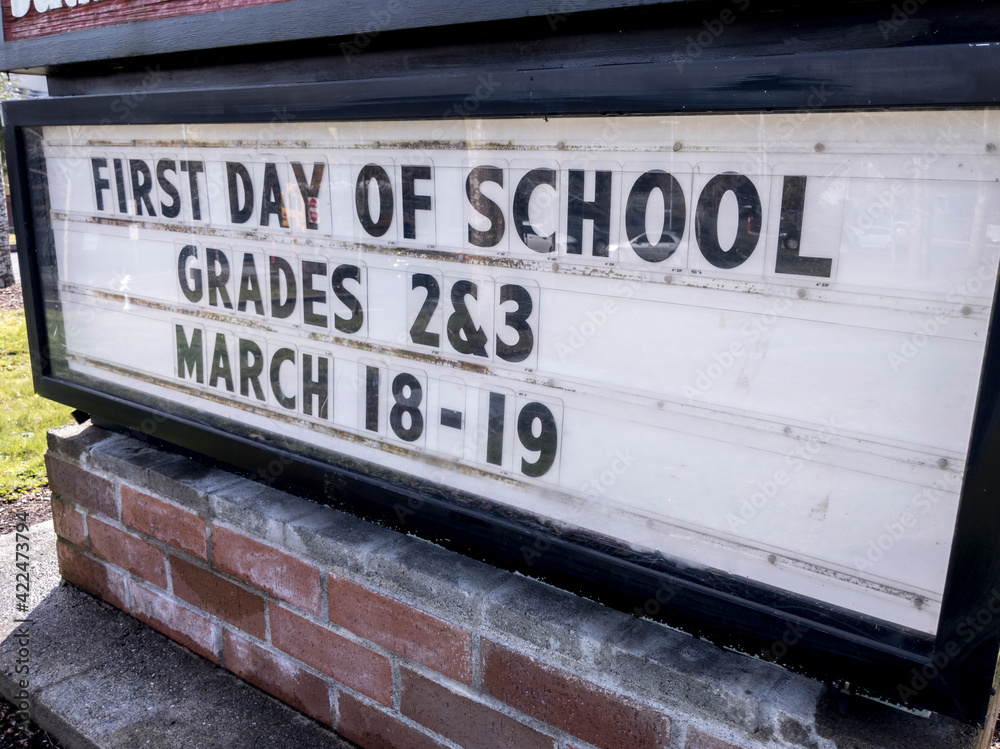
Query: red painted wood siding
point(99, 13)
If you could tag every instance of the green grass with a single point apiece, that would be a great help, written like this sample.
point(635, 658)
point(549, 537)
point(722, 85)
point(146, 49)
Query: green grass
point(24, 417)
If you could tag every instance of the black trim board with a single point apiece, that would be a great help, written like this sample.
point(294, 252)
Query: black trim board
point(677, 33)
point(959, 75)
point(289, 20)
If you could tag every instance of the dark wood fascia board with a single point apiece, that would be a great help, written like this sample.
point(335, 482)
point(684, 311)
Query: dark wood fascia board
point(278, 22)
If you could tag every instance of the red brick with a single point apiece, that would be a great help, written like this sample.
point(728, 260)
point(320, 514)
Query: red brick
point(401, 628)
point(180, 528)
point(221, 598)
point(698, 740)
point(466, 722)
point(371, 728)
point(190, 629)
point(277, 675)
point(579, 707)
point(91, 575)
point(128, 551)
point(337, 657)
point(287, 577)
point(68, 522)
point(74, 484)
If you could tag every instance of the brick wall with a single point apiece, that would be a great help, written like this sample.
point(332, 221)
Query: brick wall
point(397, 643)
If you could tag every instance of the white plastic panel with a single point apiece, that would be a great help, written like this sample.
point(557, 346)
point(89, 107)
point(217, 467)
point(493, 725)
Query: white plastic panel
point(758, 352)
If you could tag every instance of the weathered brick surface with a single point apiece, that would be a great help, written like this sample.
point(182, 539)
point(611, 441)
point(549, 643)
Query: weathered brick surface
point(188, 482)
point(162, 613)
point(372, 728)
point(180, 528)
point(277, 675)
point(450, 585)
point(323, 649)
point(658, 661)
point(699, 740)
point(552, 620)
point(257, 509)
point(270, 569)
point(99, 579)
point(421, 637)
point(74, 440)
point(68, 523)
point(219, 597)
point(566, 701)
point(336, 540)
point(468, 723)
point(127, 551)
point(125, 458)
point(80, 486)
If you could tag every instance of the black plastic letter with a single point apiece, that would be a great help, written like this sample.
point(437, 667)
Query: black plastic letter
point(674, 216)
point(379, 227)
point(239, 214)
point(597, 211)
point(485, 207)
point(522, 197)
point(793, 201)
point(707, 220)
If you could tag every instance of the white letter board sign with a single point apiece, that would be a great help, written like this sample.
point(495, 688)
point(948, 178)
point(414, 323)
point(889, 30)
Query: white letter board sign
point(748, 344)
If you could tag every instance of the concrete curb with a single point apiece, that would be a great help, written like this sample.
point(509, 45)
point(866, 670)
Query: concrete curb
point(100, 679)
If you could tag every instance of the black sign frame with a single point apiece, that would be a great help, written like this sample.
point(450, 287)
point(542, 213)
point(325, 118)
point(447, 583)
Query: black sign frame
point(951, 673)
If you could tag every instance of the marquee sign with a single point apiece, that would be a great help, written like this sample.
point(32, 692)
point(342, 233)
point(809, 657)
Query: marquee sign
point(743, 351)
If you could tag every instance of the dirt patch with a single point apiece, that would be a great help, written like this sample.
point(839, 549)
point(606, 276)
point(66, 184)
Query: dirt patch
point(10, 298)
point(14, 736)
point(36, 503)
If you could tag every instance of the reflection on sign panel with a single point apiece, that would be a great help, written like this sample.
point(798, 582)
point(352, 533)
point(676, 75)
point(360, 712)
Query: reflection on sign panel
point(749, 343)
